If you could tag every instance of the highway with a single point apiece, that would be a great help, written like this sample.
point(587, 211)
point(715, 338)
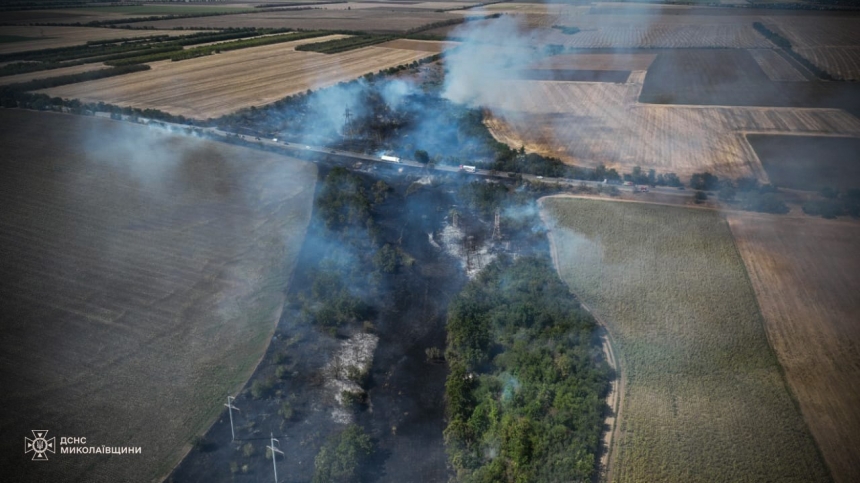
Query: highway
point(300, 150)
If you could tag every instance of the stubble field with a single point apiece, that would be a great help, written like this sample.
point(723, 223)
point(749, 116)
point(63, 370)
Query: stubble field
point(214, 85)
point(705, 400)
point(143, 275)
point(54, 37)
point(601, 123)
point(806, 275)
point(380, 20)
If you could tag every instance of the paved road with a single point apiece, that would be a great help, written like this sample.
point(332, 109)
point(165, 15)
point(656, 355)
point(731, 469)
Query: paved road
point(300, 149)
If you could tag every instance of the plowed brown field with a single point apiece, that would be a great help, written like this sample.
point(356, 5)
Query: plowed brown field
point(222, 83)
point(806, 275)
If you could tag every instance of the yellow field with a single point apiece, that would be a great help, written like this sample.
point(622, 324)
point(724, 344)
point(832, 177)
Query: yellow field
point(222, 83)
point(144, 276)
point(704, 399)
point(806, 275)
point(601, 123)
point(53, 37)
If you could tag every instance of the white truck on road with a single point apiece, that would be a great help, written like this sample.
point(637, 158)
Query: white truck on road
point(393, 159)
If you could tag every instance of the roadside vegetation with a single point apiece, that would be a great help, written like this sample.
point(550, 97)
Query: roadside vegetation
point(527, 380)
point(705, 400)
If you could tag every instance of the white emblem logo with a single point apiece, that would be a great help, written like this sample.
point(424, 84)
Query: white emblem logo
point(39, 445)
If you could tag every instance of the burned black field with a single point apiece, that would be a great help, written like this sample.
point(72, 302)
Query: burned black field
point(404, 409)
point(809, 162)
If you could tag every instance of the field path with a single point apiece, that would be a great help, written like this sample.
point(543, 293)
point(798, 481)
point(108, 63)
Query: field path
point(618, 385)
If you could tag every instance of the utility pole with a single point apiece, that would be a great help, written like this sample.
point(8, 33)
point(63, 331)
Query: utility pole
point(347, 124)
point(230, 408)
point(275, 452)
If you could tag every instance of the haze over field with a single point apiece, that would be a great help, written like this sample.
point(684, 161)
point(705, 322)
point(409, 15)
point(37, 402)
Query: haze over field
point(143, 276)
point(434, 242)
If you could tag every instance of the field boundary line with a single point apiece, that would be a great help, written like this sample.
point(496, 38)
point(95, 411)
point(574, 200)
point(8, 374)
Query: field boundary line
point(615, 398)
point(763, 322)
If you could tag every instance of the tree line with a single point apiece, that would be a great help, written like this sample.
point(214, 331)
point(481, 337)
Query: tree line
point(527, 378)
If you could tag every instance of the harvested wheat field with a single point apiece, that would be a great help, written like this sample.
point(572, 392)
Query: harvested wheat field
point(53, 37)
point(382, 20)
point(601, 61)
point(841, 62)
point(143, 278)
point(589, 124)
point(218, 84)
point(418, 45)
point(705, 400)
point(775, 66)
point(806, 276)
point(817, 31)
point(659, 35)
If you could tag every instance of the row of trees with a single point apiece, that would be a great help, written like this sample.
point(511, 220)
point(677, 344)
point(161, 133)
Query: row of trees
point(744, 193)
point(524, 394)
point(834, 203)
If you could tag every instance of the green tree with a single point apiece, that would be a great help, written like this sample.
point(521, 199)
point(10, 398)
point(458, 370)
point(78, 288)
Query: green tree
point(422, 157)
point(340, 459)
point(386, 259)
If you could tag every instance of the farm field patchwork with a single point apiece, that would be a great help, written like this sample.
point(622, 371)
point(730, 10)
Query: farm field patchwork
point(659, 35)
point(368, 20)
point(731, 77)
point(222, 83)
point(600, 123)
point(597, 61)
point(77, 69)
point(143, 278)
point(53, 37)
point(842, 62)
point(818, 31)
point(806, 275)
point(809, 162)
point(776, 67)
point(705, 400)
point(418, 45)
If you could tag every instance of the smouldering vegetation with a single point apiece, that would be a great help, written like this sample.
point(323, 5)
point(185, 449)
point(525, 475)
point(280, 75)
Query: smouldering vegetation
point(705, 399)
point(527, 378)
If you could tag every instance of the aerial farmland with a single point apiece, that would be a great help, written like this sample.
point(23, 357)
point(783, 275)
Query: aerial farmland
point(431, 241)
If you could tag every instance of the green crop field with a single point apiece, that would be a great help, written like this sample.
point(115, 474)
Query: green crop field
point(705, 399)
